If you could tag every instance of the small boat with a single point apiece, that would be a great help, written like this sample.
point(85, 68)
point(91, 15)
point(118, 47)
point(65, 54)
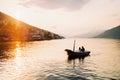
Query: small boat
point(77, 53)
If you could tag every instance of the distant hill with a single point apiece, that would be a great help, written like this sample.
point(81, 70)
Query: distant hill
point(88, 34)
point(15, 30)
point(112, 33)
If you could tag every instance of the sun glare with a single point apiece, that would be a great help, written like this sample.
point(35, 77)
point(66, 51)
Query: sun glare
point(17, 60)
point(18, 53)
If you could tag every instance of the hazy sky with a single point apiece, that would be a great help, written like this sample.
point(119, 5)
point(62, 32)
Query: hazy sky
point(68, 17)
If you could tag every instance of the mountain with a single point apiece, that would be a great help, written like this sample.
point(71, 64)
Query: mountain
point(88, 34)
point(112, 33)
point(14, 30)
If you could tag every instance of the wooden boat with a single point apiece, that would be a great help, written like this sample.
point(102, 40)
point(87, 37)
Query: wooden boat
point(77, 53)
point(80, 53)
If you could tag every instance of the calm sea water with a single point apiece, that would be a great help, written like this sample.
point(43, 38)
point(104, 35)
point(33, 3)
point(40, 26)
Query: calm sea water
point(47, 60)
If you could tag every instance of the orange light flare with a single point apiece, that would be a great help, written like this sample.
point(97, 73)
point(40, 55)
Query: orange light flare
point(18, 59)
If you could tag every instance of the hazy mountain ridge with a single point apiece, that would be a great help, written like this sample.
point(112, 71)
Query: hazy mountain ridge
point(111, 33)
point(12, 30)
point(89, 34)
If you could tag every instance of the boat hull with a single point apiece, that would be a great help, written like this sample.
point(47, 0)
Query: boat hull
point(75, 54)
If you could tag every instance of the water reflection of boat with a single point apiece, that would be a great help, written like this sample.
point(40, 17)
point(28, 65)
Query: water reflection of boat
point(75, 54)
point(73, 60)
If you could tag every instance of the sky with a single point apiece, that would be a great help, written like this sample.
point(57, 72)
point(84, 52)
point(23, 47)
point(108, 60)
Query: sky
point(65, 17)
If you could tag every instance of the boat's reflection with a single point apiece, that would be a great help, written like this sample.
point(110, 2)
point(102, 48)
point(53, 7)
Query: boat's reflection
point(70, 59)
point(73, 60)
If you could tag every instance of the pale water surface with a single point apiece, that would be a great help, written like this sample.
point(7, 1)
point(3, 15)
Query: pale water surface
point(47, 60)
